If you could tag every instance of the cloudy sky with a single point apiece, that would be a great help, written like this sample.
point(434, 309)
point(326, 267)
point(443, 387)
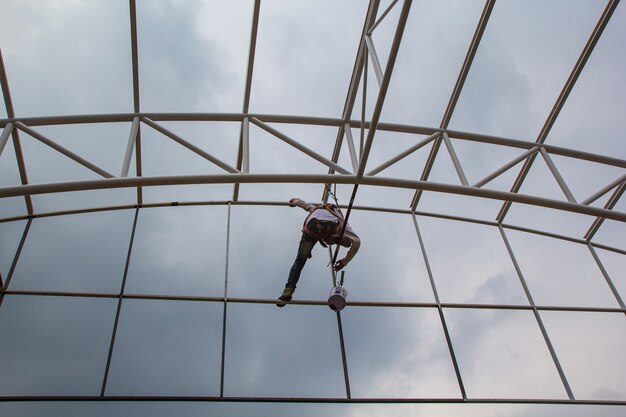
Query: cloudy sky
point(73, 57)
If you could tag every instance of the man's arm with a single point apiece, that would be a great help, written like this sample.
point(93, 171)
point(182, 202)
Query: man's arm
point(354, 248)
point(296, 202)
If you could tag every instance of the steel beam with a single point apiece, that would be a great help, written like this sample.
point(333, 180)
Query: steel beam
point(301, 400)
point(4, 138)
point(134, 54)
point(351, 148)
point(112, 183)
point(605, 190)
point(557, 175)
point(455, 159)
point(312, 121)
point(378, 71)
point(132, 139)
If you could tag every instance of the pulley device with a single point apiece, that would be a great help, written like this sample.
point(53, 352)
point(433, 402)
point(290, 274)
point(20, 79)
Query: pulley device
point(338, 295)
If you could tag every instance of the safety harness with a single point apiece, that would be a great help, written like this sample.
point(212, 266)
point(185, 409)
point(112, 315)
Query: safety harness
point(320, 230)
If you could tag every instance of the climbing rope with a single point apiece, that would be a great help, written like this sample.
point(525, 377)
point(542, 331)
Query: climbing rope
point(345, 220)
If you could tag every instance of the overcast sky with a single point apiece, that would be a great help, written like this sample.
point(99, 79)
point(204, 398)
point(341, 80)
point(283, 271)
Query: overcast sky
point(73, 57)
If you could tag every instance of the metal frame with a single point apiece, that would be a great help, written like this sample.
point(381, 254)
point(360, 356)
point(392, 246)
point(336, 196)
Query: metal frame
point(241, 174)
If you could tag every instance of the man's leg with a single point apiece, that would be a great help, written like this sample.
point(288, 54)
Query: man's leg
point(304, 253)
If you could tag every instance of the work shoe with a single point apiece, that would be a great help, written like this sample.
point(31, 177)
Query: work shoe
point(285, 296)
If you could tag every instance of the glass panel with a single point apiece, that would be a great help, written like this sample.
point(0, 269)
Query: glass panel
point(560, 222)
point(389, 265)
point(470, 263)
point(295, 72)
point(71, 57)
point(77, 200)
point(10, 235)
point(437, 32)
point(288, 352)
point(8, 164)
point(264, 242)
point(502, 354)
point(82, 252)
point(480, 160)
point(615, 265)
point(612, 232)
point(219, 139)
point(591, 350)
point(179, 250)
point(54, 345)
point(193, 56)
point(102, 144)
point(167, 348)
point(522, 64)
point(372, 196)
point(388, 145)
point(283, 193)
point(560, 272)
point(459, 205)
point(397, 353)
point(188, 193)
point(13, 207)
point(596, 128)
point(46, 165)
point(269, 154)
point(161, 155)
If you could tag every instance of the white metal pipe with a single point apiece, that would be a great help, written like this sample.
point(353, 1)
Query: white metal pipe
point(8, 129)
point(132, 138)
point(557, 176)
point(351, 148)
point(455, 159)
point(245, 145)
point(605, 190)
point(312, 121)
point(112, 183)
point(374, 58)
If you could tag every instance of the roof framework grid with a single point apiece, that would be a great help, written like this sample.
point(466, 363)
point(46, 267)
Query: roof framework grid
point(361, 167)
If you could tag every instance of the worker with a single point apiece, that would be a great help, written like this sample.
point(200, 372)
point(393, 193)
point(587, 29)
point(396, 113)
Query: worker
point(323, 224)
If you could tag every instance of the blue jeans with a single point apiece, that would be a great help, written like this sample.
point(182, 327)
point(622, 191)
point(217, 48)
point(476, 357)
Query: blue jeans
point(304, 253)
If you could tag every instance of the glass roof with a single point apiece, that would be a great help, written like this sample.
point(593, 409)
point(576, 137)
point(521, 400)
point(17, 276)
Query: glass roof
point(149, 152)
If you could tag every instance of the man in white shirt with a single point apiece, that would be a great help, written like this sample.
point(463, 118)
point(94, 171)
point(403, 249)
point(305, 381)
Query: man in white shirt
point(323, 224)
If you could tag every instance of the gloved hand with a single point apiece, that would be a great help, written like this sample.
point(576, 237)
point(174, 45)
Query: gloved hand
point(291, 203)
point(339, 265)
